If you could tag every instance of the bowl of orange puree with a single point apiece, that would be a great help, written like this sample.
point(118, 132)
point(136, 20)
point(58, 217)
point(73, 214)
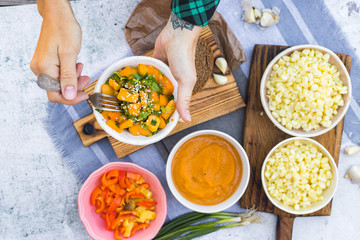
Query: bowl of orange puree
point(208, 171)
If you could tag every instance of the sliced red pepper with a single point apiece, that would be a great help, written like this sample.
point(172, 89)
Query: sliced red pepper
point(97, 191)
point(149, 202)
point(114, 204)
point(138, 227)
point(137, 196)
point(122, 229)
point(100, 204)
point(128, 194)
point(120, 218)
point(122, 192)
point(110, 196)
point(109, 218)
point(127, 183)
point(110, 178)
point(134, 176)
point(122, 181)
point(117, 235)
point(142, 204)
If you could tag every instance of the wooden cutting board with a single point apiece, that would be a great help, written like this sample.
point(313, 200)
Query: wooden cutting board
point(261, 135)
point(212, 101)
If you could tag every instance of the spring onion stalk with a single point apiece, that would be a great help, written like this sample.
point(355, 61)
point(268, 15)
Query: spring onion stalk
point(192, 225)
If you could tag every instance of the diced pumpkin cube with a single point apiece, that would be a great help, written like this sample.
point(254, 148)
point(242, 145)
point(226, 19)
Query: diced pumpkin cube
point(107, 89)
point(154, 97)
point(167, 86)
point(116, 116)
point(156, 107)
point(143, 98)
point(134, 109)
point(163, 100)
point(143, 69)
point(126, 124)
point(168, 110)
point(105, 114)
point(128, 96)
point(153, 123)
point(127, 71)
point(137, 130)
point(114, 84)
point(162, 123)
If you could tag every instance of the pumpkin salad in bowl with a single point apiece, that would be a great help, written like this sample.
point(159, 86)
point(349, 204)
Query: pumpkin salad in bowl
point(145, 97)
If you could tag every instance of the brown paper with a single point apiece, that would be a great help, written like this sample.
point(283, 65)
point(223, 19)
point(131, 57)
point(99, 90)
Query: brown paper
point(150, 17)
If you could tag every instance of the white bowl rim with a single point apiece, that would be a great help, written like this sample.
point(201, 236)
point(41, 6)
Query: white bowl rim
point(333, 168)
point(136, 140)
point(228, 202)
point(263, 92)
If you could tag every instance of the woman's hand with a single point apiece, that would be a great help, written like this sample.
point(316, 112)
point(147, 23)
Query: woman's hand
point(57, 49)
point(176, 46)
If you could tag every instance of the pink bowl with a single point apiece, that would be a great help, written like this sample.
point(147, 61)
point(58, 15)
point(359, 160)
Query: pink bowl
point(95, 225)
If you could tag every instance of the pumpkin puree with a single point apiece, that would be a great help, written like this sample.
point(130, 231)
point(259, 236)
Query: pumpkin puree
point(206, 170)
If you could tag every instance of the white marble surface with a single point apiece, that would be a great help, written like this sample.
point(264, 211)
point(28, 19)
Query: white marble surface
point(38, 192)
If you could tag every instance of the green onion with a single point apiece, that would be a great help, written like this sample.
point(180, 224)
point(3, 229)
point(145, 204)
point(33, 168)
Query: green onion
point(100, 111)
point(153, 122)
point(188, 226)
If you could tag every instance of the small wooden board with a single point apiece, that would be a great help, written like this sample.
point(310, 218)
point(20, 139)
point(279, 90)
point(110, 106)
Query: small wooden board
point(261, 135)
point(210, 102)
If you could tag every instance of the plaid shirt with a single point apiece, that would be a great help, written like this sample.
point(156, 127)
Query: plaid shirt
point(197, 12)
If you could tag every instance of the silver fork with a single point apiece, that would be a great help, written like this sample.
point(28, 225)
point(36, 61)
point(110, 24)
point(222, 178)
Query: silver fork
point(98, 100)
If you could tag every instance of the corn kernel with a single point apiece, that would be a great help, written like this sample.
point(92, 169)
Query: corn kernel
point(297, 174)
point(304, 88)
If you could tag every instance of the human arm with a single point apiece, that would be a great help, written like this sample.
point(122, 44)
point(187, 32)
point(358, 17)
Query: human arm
point(57, 49)
point(176, 45)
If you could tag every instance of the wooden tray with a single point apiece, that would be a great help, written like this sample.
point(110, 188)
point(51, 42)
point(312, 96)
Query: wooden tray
point(210, 102)
point(261, 135)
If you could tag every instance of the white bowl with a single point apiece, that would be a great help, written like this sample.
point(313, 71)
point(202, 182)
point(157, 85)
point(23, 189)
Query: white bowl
point(344, 76)
point(233, 198)
point(125, 136)
point(328, 192)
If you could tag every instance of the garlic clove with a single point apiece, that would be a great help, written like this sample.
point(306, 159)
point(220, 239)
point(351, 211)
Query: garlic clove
point(268, 18)
point(219, 79)
point(221, 64)
point(257, 13)
point(352, 150)
point(181, 120)
point(354, 174)
point(248, 15)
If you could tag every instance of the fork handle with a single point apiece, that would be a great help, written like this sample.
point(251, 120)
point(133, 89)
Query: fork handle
point(48, 83)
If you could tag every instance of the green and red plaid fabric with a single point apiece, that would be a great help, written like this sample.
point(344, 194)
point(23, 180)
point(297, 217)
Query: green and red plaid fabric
point(197, 12)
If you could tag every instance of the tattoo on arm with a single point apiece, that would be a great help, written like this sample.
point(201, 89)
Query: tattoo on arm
point(180, 23)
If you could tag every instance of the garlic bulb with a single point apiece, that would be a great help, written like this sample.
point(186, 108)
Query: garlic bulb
point(354, 174)
point(352, 150)
point(268, 18)
point(219, 79)
point(221, 64)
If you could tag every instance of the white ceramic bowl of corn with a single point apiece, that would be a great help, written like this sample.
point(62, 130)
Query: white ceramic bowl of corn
point(305, 90)
point(299, 176)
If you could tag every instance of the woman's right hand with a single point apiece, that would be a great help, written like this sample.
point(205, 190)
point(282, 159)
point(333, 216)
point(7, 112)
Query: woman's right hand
point(56, 52)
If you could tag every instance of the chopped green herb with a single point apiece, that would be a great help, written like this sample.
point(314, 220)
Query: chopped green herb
point(167, 120)
point(144, 126)
point(151, 82)
point(157, 113)
point(137, 76)
point(153, 122)
point(149, 95)
point(154, 133)
point(107, 81)
point(171, 97)
point(143, 114)
point(117, 123)
point(100, 111)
